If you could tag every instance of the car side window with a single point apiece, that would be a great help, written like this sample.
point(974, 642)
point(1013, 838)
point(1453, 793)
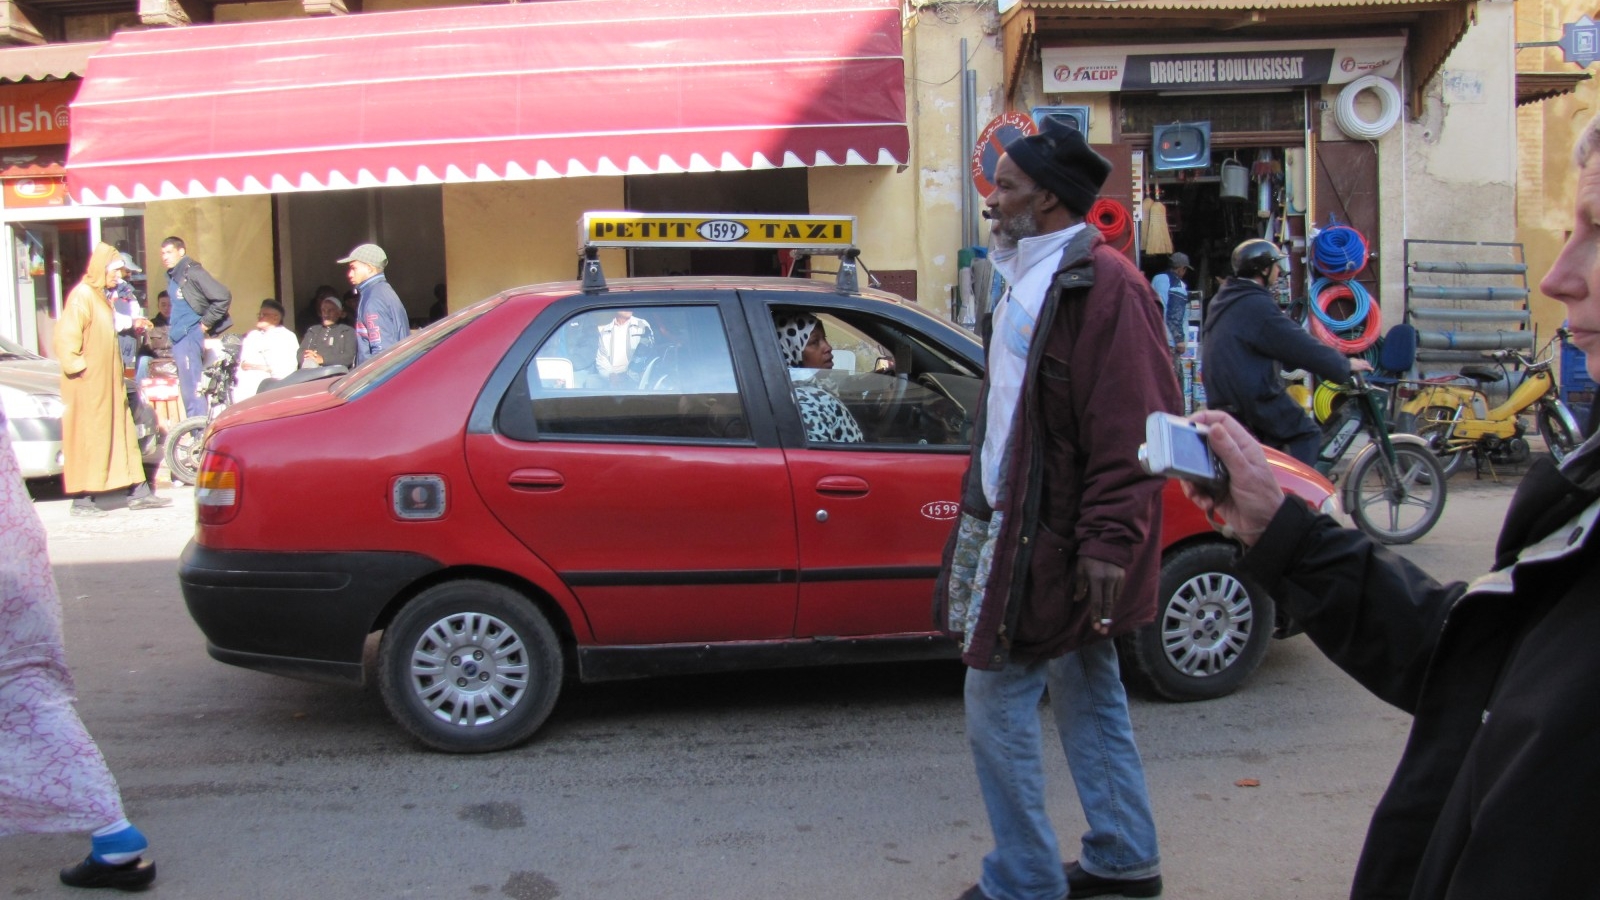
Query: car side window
point(661, 373)
point(886, 385)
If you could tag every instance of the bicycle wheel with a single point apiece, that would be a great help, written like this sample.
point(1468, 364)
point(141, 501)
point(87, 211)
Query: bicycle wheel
point(1399, 506)
point(1556, 430)
point(1432, 424)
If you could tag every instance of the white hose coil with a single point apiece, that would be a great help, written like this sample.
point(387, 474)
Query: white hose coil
point(1351, 123)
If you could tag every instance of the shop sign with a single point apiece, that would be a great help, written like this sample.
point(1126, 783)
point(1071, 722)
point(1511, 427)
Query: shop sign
point(35, 113)
point(27, 193)
point(1219, 66)
point(632, 229)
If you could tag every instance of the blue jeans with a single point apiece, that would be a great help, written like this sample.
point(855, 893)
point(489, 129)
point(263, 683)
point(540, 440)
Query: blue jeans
point(187, 352)
point(1091, 713)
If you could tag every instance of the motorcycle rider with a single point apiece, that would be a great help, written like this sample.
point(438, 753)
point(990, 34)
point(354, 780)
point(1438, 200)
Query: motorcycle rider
point(1246, 337)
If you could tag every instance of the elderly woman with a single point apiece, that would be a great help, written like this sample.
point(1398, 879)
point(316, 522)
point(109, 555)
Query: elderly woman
point(804, 342)
point(268, 351)
point(1496, 791)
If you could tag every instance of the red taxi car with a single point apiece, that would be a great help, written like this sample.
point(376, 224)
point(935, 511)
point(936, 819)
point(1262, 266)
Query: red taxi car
point(511, 515)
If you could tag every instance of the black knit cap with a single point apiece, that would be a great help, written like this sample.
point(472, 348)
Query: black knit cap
point(1060, 160)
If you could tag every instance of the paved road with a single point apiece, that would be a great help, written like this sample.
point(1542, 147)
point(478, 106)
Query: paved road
point(851, 782)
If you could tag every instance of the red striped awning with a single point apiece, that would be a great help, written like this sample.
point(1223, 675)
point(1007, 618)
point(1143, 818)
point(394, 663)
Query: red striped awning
point(483, 93)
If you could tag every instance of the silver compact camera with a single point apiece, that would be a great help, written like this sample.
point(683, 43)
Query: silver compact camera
point(1178, 448)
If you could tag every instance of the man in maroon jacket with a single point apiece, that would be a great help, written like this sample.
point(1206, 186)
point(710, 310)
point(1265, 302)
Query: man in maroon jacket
point(1057, 550)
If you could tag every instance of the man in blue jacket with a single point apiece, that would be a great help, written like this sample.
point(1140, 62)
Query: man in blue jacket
point(381, 320)
point(1174, 297)
point(199, 311)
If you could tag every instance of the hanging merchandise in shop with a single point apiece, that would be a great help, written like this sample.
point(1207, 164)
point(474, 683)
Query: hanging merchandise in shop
point(1254, 65)
point(488, 93)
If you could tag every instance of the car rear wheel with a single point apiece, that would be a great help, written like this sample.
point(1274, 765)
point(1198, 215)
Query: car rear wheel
point(1211, 628)
point(470, 667)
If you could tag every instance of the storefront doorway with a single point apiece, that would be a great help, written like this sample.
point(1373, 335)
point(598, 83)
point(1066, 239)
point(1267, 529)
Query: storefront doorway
point(46, 257)
point(775, 191)
point(44, 254)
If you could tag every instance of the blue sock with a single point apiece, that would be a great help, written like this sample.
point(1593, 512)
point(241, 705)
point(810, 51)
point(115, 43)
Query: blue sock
point(118, 843)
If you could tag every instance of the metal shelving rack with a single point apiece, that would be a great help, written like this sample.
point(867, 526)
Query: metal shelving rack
point(1465, 297)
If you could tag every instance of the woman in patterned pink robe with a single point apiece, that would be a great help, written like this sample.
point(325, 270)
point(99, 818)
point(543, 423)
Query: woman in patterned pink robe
point(52, 776)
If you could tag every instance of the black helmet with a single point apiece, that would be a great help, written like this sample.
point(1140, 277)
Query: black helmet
point(1254, 258)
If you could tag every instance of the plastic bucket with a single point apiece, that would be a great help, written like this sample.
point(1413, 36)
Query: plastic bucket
point(1235, 180)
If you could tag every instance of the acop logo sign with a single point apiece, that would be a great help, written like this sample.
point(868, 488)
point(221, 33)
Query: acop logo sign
point(1352, 65)
point(1079, 75)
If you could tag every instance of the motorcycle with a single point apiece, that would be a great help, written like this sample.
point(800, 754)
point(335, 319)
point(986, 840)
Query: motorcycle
point(1394, 489)
point(1457, 421)
point(217, 381)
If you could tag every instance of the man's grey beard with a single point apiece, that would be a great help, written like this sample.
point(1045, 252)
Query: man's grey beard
point(1008, 231)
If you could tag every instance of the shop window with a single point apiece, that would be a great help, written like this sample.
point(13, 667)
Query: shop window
point(1140, 113)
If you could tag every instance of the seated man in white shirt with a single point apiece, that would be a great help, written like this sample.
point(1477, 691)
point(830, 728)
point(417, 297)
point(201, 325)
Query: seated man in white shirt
point(268, 351)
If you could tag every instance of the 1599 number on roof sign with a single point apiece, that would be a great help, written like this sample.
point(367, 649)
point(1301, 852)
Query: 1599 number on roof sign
point(633, 229)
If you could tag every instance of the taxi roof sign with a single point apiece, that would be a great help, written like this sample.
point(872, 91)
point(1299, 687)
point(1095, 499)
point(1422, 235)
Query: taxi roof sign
point(635, 230)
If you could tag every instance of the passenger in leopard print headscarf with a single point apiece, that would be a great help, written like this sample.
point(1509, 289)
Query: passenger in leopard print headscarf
point(804, 343)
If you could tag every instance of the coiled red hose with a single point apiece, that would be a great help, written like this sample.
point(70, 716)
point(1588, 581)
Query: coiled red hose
point(1114, 222)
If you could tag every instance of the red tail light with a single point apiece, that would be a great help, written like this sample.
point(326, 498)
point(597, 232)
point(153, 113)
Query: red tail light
point(217, 488)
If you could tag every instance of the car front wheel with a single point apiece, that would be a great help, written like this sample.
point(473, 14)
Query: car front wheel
point(1211, 628)
point(470, 667)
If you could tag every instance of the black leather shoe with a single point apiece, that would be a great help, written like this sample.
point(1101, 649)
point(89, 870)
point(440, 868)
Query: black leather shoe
point(1083, 884)
point(132, 876)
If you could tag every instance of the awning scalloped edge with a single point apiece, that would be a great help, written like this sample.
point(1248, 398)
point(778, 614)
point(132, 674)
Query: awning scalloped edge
point(394, 176)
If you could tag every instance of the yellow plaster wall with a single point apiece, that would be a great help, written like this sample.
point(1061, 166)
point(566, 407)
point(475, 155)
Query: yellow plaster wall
point(940, 162)
point(231, 237)
point(1547, 180)
point(506, 234)
point(881, 201)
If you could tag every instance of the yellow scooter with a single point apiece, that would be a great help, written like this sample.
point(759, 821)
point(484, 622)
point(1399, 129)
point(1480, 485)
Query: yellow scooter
point(1455, 418)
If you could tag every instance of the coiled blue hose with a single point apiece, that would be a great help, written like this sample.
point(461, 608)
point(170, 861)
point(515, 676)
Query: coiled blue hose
point(1339, 252)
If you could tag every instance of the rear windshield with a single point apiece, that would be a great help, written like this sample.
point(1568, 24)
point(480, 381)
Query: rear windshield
point(379, 369)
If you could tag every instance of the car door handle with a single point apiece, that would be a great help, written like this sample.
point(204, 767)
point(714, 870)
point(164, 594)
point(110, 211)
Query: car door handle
point(842, 486)
point(536, 480)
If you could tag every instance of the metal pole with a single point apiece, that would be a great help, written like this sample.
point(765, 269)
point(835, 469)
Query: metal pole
point(967, 139)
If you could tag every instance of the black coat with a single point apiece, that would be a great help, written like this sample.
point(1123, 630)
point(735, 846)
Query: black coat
point(208, 297)
point(1244, 339)
point(1498, 792)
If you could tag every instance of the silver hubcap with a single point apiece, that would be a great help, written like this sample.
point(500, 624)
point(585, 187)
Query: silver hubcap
point(469, 669)
point(1207, 624)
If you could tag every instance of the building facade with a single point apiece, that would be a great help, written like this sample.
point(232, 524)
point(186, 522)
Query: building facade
point(467, 139)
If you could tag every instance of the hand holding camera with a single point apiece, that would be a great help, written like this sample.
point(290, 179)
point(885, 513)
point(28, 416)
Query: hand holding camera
point(1239, 489)
point(1177, 448)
